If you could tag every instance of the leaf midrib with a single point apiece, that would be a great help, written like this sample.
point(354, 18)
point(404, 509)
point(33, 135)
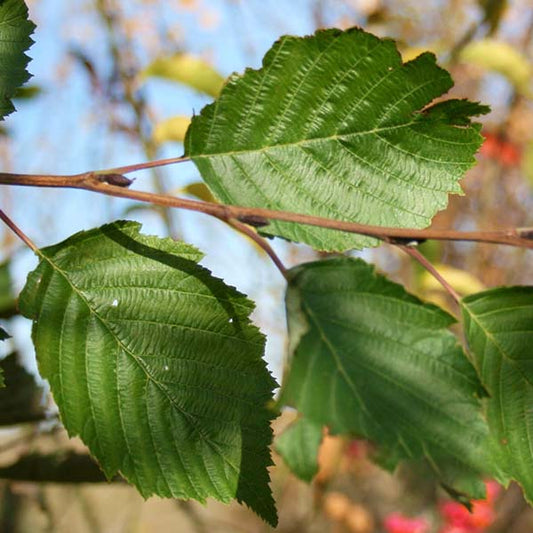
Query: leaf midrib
point(138, 361)
point(492, 339)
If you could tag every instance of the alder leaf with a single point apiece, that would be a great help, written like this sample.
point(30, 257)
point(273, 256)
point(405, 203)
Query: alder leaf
point(299, 445)
point(15, 31)
point(498, 326)
point(335, 125)
point(155, 364)
point(189, 70)
point(371, 360)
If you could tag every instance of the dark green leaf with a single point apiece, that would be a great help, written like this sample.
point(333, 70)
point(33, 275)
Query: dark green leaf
point(4, 334)
point(15, 31)
point(21, 400)
point(335, 125)
point(499, 329)
point(369, 359)
point(67, 467)
point(298, 445)
point(155, 364)
point(8, 307)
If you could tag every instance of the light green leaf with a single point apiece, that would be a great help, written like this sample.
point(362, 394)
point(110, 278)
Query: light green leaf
point(154, 363)
point(503, 58)
point(171, 129)
point(369, 359)
point(15, 31)
point(187, 69)
point(299, 445)
point(498, 326)
point(335, 125)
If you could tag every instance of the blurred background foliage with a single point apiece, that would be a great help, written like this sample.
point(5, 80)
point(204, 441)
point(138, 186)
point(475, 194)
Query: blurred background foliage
point(116, 82)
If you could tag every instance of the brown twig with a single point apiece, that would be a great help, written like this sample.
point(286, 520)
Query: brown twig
point(251, 234)
point(417, 256)
point(106, 183)
point(12, 226)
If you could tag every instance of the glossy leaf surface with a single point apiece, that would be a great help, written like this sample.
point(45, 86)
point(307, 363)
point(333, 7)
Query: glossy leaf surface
point(154, 363)
point(335, 125)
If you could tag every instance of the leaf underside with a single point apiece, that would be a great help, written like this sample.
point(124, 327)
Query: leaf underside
point(369, 359)
point(335, 125)
point(143, 349)
point(498, 326)
point(15, 31)
point(299, 445)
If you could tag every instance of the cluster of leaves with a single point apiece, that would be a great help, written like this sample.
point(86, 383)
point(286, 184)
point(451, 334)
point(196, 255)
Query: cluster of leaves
point(154, 362)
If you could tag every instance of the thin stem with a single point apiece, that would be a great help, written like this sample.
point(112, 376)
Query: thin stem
point(250, 233)
point(109, 184)
point(415, 254)
point(143, 166)
point(13, 227)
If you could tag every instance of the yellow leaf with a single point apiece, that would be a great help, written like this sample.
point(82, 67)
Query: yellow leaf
point(189, 70)
point(172, 129)
point(463, 282)
point(199, 190)
point(501, 57)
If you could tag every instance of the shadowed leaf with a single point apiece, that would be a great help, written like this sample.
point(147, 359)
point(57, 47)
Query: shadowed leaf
point(143, 349)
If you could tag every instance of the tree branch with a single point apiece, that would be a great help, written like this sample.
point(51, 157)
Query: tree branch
point(113, 184)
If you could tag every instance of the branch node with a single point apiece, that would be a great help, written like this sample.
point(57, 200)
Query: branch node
point(253, 220)
point(525, 233)
point(117, 180)
point(404, 241)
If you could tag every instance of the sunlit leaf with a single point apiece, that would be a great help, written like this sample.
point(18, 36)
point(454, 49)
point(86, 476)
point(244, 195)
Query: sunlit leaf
point(15, 31)
point(187, 69)
point(143, 349)
point(335, 125)
point(498, 326)
point(299, 445)
point(369, 359)
point(172, 129)
point(199, 190)
point(501, 57)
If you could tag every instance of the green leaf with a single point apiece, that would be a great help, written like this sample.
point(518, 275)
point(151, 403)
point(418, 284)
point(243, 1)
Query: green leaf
point(369, 359)
point(299, 445)
point(498, 326)
point(189, 70)
point(155, 364)
point(64, 467)
point(8, 305)
point(335, 125)
point(15, 31)
point(21, 400)
point(171, 129)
